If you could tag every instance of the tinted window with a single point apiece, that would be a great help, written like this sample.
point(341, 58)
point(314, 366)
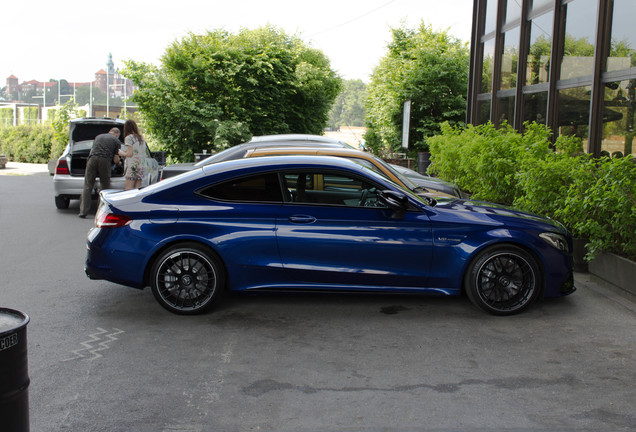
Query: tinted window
point(259, 188)
point(331, 189)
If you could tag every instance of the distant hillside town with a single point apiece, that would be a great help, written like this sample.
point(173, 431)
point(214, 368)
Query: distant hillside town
point(106, 95)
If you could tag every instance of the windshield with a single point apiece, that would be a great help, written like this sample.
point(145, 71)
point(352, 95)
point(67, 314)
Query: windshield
point(411, 192)
point(405, 180)
point(226, 154)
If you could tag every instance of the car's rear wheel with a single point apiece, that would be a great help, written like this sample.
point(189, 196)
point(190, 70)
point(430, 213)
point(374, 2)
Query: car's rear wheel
point(503, 280)
point(186, 279)
point(62, 203)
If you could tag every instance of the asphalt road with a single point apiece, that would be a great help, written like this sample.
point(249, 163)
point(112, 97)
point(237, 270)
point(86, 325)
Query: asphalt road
point(108, 358)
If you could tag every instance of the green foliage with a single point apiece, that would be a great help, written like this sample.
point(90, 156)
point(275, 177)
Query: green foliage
point(348, 108)
point(594, 199)
point(545, 177)
point(229, 133)
point(264, 79)
point(6, 117)
point(60, 125)
point(26, 143)
point(427, 67)
point(482, 159)
point(601, 205)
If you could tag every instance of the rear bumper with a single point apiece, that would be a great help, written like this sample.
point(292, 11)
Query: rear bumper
point(72, 187)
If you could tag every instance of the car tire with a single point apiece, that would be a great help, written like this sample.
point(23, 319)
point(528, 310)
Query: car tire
point(503, 280)
point(62, 203)
point(187, 278)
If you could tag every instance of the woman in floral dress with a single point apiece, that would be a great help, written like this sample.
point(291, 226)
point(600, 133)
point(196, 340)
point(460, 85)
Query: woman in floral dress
point(135, 153)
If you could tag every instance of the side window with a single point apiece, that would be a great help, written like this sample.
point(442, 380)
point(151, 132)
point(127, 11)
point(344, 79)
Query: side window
point(259, 188)
point(325, 188)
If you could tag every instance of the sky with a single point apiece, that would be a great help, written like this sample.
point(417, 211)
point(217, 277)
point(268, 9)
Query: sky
point(71, 39)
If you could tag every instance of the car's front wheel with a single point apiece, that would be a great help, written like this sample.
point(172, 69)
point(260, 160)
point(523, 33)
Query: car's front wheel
point(186, 279)
point(503, 280)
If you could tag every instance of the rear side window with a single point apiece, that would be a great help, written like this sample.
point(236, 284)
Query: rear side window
point(258, 188)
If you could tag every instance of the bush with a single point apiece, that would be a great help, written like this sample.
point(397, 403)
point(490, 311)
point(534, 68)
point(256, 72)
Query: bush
point(593, 198)
point(484, 160)
point(545, 177)
point(30, 144)
point(601, 205)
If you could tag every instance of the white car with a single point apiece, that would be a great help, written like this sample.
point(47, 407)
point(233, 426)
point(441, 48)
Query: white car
point(68, 180)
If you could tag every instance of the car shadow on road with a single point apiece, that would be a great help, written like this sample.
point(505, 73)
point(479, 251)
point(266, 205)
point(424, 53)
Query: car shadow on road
point(254, 309)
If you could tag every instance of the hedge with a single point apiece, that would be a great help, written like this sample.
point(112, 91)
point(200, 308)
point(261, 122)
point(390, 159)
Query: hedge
point(594, 198)
point(25, 143)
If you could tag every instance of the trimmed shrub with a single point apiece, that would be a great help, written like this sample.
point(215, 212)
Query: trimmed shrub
point(24, 143)
point(601, 205)
point(593, 198)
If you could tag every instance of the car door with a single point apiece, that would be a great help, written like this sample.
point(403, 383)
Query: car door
point(335, 231)
point(152, 168)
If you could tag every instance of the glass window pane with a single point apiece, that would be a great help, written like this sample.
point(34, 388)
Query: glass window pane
point(536, 4)
point(535, 107)
point(487, 66)
point(513, 10)
point(578, 50)
point(506, 109)
point(618, 117)
point(483, 108)
point(509, 59)
point(623, 49)
point(538, 69)
point(260, 188)
point(491, 16)
point(574, 112)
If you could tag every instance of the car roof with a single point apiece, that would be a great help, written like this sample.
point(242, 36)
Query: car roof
point(294, 137)
point(349, 152)
point(315, 150)
point(287, 162)
point(239, 151)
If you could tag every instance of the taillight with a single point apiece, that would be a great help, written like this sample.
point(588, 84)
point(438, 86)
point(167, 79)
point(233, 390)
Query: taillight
point(62, 167)
point(110, 220)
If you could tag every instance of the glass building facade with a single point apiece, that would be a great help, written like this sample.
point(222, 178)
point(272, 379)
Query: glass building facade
point(568, 64)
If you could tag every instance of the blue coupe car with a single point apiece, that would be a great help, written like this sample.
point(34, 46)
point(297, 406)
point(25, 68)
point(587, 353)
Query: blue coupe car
point(322, 224)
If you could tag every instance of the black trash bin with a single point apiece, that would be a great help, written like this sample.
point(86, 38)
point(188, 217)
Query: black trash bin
point(14, 372)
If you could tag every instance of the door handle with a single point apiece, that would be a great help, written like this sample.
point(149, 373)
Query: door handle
point(302, 219)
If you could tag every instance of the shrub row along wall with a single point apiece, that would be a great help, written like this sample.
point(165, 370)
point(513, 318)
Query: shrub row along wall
point(593, 198)
point(32, 144)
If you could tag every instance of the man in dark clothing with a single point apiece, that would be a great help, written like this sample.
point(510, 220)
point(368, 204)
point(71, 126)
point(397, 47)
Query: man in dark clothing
point(103, 153)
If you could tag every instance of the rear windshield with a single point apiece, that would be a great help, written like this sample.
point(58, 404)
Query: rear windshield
point(88, 131)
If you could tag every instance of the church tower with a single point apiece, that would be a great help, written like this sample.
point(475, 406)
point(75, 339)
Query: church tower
point(110, 66)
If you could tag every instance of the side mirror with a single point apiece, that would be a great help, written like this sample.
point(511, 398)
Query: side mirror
point(396, 201)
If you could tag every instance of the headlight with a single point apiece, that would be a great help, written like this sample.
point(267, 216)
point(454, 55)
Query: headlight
point(555, 240)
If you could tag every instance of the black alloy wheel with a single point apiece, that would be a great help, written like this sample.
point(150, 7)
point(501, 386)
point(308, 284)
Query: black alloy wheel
point(503, 280)
point(186, 279)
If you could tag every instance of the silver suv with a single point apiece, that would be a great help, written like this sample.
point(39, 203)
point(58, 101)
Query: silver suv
point(68, 180)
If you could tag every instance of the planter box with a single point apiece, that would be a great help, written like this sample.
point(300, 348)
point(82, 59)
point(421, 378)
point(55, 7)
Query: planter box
point(616, 270)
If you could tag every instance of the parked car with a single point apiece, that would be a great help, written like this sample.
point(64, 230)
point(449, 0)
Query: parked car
point(429, 182)
point(68, 180)
point(368, 159)
point(264, 141)
point(314, 223)
point(296, 141)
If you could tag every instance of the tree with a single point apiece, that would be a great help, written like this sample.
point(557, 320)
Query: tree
point(428, 68)
point(348, 109)
point(217, 89)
